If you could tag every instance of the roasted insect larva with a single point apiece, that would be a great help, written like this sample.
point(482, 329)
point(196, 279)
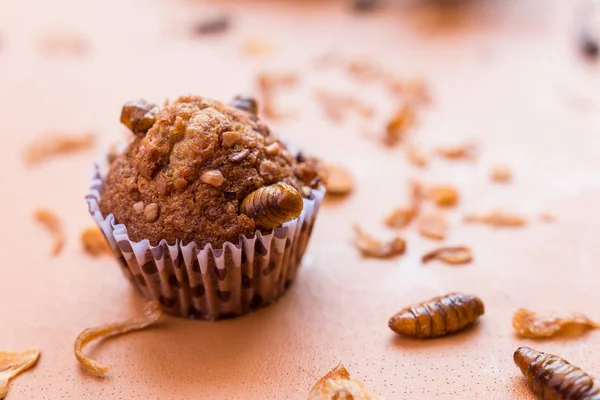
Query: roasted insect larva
point(271, 206)
point(439, 316)
point(138, 116)
point(554, 378)
point(245, 103)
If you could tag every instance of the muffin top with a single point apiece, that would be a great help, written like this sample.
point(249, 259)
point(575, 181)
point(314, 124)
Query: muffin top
point(190, 166)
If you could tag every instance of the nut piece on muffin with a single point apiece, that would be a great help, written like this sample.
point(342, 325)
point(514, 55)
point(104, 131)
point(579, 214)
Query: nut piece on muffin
point(191, 165)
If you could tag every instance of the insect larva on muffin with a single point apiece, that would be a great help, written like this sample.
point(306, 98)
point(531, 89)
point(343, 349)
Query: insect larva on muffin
point(271, 206)
point(553, 377)
point(439, 316)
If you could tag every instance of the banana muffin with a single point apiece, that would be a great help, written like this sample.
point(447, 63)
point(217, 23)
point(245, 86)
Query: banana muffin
point(191, 164)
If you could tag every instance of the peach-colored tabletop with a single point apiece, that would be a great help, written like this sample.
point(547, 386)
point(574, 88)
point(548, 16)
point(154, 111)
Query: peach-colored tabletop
point(505, 73)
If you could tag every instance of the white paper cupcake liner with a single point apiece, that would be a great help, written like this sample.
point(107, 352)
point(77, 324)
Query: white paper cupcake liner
point(209, 283)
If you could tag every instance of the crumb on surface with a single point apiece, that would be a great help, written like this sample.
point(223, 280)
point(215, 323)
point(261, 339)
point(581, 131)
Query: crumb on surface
point(269, 83)
point(51, 222)
point(93, 242)
point(53, 145)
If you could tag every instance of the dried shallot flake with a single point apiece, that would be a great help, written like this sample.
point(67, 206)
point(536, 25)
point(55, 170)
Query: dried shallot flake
point(372, 247)
point(466, 151)
point(363, 70)
point(450, 255)
point(256, 47)
point(339, 385)
point(12, 364)
point(400, 217)
point(268, 85)
point(57, 144)
point(443, 196)
point(417, 157)
point(532, 325)
point(497, 218)
point(500, 173)
point(547, 217)
point(339, 181)
point(63, 43)
point(336, 106)
point(415, 89)
point(93, 242)
point(417, 193)
point(403, 119)
point(51, 222)
point(152, 313)
point(433, 226)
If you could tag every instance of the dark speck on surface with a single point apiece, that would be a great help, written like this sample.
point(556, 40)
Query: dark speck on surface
point(213, 24)
point(589, 44)
point(364, 5)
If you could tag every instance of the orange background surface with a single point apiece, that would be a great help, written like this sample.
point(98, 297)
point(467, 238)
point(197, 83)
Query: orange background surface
point(503, 72)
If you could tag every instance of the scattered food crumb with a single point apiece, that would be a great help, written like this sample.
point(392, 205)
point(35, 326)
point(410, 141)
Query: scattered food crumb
point(531, 325)
point(362, 70)
point(497, 218)
point(403, 119)
point(256, 47)
point(339, 180)
point(400, 217)
point(57, 144)
point(268, 85)
point(336, 106)
point(152, 313)
point(63, 43)
point(417, 192)
point(93, 242)
point(51, 222)
point(433, 226)
point(443, 196)
point(415, 89)
point(467, 151)
point(218, 23)
point(12, 364)
point(547, 217)
point(500, 173)
point(450, 255)
point(371, 247)
point(338, 384)
point(417, 157)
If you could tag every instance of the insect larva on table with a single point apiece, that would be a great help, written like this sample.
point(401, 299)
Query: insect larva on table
point(439, 316)
point(271, 206)
point(554, 378)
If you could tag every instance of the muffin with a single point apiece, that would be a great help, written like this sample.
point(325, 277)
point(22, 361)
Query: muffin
point(208, 211)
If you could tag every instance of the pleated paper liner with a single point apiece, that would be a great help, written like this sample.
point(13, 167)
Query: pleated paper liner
point(207, 283)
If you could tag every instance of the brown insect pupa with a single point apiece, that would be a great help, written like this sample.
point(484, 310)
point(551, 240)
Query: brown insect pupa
point(271, 206)
point(439, 316)
point(554, 378)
